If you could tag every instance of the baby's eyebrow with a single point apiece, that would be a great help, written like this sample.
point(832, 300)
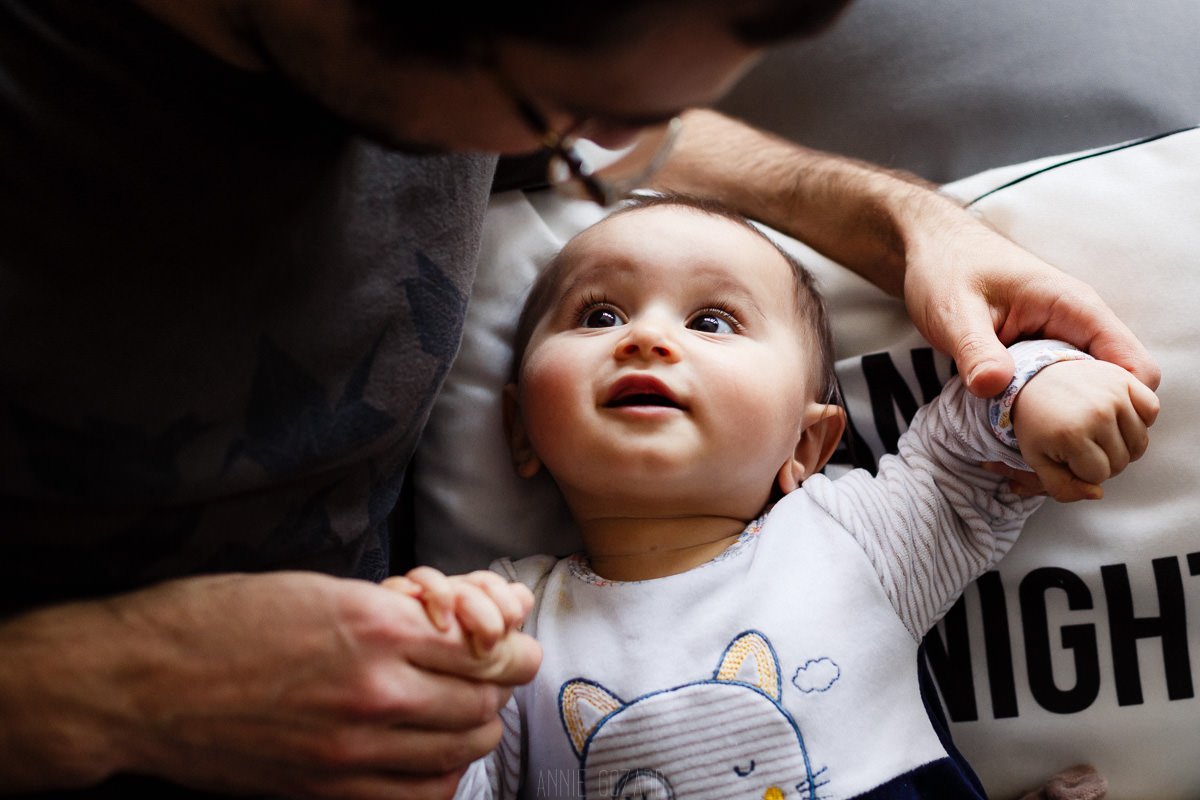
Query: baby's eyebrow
point(725, 287)
point(575, 285)
point(596, 272)
point(719, 284)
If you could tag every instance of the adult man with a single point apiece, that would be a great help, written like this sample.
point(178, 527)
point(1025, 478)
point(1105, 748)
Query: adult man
point(238, 241)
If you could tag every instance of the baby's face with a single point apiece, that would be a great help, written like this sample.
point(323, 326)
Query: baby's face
point(671, 363)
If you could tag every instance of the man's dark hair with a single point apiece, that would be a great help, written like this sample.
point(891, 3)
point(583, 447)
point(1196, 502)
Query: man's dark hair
point(451, 32)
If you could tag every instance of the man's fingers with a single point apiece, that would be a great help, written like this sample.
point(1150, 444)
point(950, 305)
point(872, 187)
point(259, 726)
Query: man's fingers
point(513, 660)
point(413, 751)
point(1021, 482)
point(1117, 345)
point(1145, 402)
point(402, 584)
point(383, 785)
point(403, 747)
point(414, 694)
point(357, 762)
point(987, 372)
point(1082, 318)
point(1063, 486)
point(984, 363)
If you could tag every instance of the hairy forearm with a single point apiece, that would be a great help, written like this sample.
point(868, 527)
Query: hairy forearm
point(967, 287)
point(289, 683)
point(864, 217)
point(59, 709)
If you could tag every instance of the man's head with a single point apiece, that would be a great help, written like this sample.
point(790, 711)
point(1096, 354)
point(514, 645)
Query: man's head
point(440, 76)
point(451, 33)
point(674, 351)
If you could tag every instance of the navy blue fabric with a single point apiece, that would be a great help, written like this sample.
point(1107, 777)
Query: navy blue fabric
point(938, 780)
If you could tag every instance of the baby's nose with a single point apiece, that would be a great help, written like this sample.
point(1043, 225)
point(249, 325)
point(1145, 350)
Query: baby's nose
point(647, 340)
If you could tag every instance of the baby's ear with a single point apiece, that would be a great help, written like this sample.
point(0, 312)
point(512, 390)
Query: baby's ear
point(525, 460)
point(823, 424)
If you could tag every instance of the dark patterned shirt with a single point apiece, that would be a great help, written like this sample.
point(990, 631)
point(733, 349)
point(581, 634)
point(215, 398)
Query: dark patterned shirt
point(223, 314)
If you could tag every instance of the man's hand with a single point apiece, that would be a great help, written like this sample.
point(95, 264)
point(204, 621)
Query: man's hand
point(969, 290)
point(1079, 423)
point(487, 607)
point(292, 684)
point(973, 291)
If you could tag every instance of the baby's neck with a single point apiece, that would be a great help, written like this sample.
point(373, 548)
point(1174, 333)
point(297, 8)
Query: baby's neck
point(639, 548)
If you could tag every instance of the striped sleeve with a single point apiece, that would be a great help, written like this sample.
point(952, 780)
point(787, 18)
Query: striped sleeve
point(932, 520)
point(497, 776)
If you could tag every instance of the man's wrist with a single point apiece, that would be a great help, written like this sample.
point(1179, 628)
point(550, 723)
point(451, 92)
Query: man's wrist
point(62, 714)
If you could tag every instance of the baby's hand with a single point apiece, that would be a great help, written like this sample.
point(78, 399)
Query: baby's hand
point(486, 606)
point(1078, 423)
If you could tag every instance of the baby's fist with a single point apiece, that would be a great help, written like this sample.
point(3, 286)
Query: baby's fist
point(1079, 423)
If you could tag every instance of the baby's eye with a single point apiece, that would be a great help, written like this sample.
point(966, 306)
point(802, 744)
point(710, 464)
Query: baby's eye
point(712, 322)
point(600, 318)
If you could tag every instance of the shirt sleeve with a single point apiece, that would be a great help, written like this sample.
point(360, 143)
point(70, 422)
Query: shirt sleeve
point(1031, 358)
point(497, 776)
point(932, 519)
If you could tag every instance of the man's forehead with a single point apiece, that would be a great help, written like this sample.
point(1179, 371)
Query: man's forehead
point(684, 61)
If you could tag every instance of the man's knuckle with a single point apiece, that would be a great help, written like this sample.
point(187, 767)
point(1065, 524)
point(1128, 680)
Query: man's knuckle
point(341, 749)
point(486, 704)
point(458, 751)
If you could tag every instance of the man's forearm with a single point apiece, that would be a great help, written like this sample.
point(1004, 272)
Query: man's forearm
point(53, 697)
point(852, 212)
point(968, 288)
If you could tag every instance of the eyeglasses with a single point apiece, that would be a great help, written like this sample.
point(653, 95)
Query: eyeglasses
point(578, 167)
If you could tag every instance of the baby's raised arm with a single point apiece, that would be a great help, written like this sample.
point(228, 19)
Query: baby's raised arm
point(482, 603)
point(1079, 423)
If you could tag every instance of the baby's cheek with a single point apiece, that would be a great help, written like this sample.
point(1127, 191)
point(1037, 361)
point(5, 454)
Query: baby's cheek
point(551, 401)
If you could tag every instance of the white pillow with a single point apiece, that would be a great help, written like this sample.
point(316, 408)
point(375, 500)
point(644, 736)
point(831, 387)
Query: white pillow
point(1125, 219)
point(470, 507)
point(1128, 222)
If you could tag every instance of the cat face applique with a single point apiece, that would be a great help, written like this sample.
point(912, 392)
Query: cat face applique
point(725, 737)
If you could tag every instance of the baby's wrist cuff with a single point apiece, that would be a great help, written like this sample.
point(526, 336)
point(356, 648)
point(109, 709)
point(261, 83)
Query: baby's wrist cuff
point(1031, 358)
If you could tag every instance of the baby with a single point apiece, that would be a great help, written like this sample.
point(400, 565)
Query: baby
point(740, 625)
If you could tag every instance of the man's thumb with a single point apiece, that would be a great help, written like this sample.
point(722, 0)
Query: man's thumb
point(984, 363)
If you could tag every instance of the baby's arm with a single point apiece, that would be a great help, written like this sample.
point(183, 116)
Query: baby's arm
point(1079, 423)
point(482, 603)
point(931, 520)
point(487, 607)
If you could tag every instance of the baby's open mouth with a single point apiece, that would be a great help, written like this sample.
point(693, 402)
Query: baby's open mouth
point(641, 391)
point(644, 399)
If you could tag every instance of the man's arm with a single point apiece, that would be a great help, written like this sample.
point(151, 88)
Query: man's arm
point(289, 683)
point(968, 289)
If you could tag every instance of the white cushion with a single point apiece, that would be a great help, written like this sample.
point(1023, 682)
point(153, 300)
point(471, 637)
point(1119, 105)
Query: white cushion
point(1127, 220)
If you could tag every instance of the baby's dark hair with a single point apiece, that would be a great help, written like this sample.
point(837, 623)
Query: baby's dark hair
point(810, 305)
